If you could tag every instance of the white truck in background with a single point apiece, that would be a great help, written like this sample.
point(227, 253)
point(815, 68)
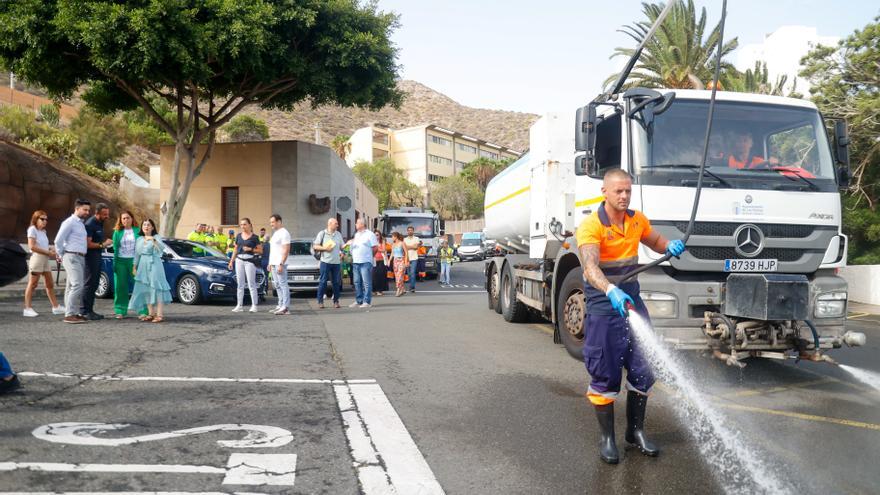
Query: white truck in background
point(428, 227)
point(759, 277)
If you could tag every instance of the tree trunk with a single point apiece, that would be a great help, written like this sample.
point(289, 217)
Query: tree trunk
point(183, 155)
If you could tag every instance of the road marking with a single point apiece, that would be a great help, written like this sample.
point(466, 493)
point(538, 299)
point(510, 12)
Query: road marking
point(258, 436)
point(386, 457)
point(242, 469)
point(857, 315)
point(123, 378)
point(131, 493)
point(452, 292)
point(543, 327)
point(806, 417)
point(753, 392)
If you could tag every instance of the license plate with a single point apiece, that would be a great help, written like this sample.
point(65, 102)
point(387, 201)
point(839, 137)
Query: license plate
point(766, 265)
point(429, 264)
point(303, 278)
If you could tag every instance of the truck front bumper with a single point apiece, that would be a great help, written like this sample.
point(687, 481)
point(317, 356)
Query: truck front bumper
point(677, 302)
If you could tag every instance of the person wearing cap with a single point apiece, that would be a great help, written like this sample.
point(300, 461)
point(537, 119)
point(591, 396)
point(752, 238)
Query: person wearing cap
point(608, 242)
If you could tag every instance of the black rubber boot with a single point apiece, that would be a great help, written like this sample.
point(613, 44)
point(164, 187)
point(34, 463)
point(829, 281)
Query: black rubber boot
point(636, 404)
point(607, 444)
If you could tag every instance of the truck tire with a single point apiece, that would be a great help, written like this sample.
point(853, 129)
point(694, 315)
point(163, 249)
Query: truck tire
point(494, 283)
point(512, 310)
point(571, 309)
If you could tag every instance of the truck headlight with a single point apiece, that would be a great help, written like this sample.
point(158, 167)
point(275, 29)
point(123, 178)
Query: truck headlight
point(831, 305)
point(659, 304)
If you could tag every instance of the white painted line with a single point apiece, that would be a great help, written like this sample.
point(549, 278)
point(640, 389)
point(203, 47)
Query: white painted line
point(258, 436)
point(403, 462)
point(371, 474)
point(132, 493)
point(110, 468)
point(451, 292)
point(123, 378)
point(261, 469)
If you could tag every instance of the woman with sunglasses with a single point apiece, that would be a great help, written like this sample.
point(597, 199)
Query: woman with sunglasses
point(245, 257)
point(38, 264)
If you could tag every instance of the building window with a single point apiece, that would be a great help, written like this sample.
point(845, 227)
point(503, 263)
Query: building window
point(439, 140)
point(440, 160)
point(435, 178)
point(229, 206)
point(460, 165)
point(489, 154)
point(380, 137)
point(467, 148)
point(377, 153)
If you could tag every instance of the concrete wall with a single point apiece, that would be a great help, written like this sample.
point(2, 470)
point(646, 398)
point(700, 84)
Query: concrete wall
point(864, 283)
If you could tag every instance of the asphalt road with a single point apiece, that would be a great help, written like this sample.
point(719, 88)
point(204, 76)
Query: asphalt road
point(425, 391)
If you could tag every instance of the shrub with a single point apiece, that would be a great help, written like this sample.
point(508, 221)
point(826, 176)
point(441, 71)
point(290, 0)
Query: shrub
point(50, 113)
point(60, 145)
point(100, 138)
point(246, 128)
point(20, 123)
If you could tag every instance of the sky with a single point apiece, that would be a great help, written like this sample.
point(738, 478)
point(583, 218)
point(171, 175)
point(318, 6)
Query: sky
point(553, 55)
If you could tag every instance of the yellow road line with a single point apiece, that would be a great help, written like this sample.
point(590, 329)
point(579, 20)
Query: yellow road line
point(546, 328)
point(505, 198)
point(857, 315)
point(805, 417)
point(753, 392)
point(591, 201)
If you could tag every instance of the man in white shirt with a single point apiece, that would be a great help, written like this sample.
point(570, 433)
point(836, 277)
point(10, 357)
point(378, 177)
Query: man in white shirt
point(278, 251)
point(71, 246)
point(363, 251)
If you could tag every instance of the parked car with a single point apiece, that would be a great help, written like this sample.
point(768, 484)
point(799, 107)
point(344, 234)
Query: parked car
point(195, 272)
point(303, 269)
point(471, 249)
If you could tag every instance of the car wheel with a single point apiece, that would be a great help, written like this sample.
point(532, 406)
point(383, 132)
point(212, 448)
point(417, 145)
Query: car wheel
point(103, 291)
point(571, 310)
point(188, 290)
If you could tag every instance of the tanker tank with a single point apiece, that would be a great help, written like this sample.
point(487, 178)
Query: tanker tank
point(507, 205)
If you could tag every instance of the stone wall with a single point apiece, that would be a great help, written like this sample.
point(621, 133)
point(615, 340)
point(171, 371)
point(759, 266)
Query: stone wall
point(30, 181)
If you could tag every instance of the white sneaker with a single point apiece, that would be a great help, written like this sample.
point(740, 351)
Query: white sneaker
point(237, 309)
point(365, 305)
point(58, 310)
point(354, 305)
point(275, 309)
point(29, 313)
point(253, 309)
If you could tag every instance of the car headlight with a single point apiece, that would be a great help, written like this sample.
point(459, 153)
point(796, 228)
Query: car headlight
point(659, 304)
point(830, 305)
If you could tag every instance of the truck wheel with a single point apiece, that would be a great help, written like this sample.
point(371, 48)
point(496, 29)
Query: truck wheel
point(571, 309)
point(494, 290)
point(512, 310)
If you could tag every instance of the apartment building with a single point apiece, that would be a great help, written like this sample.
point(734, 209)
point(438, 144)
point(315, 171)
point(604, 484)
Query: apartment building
point(427, 153)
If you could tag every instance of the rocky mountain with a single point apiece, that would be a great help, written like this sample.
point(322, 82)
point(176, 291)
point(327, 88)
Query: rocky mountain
point(422, 105)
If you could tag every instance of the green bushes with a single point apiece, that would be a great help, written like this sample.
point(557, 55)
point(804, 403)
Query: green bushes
point(246, 128)
point(20, 123)
point(101, 139)
point(50, 113)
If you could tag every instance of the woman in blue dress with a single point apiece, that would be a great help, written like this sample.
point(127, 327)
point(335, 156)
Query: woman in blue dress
point(150, 286)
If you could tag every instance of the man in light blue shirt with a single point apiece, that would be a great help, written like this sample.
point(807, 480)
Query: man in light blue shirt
point(71, 245)
point(329, 242)
point(363, 250)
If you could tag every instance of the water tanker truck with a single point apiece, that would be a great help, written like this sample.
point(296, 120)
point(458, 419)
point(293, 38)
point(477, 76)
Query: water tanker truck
point(759, 277)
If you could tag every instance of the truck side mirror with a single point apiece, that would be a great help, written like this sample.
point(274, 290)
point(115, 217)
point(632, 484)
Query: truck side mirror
point(375, 223)
point(442, 227)
point(841, 148)
point(585, 138)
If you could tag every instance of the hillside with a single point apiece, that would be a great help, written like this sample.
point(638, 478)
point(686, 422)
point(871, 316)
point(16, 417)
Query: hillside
point(422, 105)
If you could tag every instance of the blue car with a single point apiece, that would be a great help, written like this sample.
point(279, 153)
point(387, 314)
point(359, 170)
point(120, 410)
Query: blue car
point(195, 272)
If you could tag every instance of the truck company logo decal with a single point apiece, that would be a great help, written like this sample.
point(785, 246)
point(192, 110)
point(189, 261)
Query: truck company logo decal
point(822, 216)
point(749, 240)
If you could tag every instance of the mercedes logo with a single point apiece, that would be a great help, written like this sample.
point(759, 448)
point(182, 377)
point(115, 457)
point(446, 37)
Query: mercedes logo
point(749, 240)
point(748, 199)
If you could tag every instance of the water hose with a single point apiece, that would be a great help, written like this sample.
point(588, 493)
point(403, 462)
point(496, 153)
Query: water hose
point(815, 333)
point(696, 205)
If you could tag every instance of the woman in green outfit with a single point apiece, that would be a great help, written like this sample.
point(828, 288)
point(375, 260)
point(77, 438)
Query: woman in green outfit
point(125, 235)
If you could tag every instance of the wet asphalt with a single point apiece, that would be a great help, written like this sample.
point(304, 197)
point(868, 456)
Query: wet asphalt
point(493, 407)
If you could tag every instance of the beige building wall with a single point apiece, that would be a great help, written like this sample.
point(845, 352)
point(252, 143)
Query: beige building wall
point(246, 166)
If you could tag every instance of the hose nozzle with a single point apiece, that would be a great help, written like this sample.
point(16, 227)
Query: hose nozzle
point(629, 307)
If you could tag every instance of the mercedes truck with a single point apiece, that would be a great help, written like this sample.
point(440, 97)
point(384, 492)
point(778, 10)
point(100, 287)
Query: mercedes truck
point(428, 227)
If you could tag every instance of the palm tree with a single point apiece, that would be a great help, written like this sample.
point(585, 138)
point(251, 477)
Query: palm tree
point(341, 145)
point(757, 80)
point(482, 170)
point(677, 56)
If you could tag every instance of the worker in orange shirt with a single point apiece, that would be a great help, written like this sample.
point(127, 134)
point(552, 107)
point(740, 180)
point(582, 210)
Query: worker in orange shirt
point(740, 157)
point(608, 242)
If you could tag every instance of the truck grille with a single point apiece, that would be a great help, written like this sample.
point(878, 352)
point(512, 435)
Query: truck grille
point(724, 253)
point(725, 229)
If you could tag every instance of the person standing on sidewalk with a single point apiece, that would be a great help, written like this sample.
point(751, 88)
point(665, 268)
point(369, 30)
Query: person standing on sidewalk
point(150, 284)
point(380, 266)
point(399, 262)
point(278, 251)
point(245, 256)
point(125, 235)
point(96, 243)
point(329, 242)
point(38, 264)
point(363, 249)
point(445, 254)
point(413, 244)
point(70, 244)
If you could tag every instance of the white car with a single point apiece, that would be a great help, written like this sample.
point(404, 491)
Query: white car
point(303, 269)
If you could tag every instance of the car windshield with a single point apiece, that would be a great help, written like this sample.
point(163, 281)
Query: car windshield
point(423, 226)
point(780, 144)
point(300, 248)
point(470, 242)
point(189, 249)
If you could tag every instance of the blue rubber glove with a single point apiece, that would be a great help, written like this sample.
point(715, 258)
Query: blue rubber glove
point(619, 299)
point(675, 248)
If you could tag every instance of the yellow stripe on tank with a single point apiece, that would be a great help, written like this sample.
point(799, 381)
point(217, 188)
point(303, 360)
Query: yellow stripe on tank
point(591, 201)
point(505, 198)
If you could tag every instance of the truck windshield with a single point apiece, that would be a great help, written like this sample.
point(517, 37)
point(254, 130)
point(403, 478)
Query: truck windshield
point(752, 146)
point(424, 227)
point(470, 242)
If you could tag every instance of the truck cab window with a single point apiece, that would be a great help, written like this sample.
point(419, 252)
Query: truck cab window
point(608, 144)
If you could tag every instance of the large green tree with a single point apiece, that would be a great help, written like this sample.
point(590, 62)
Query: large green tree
point(482, 170)
point(456, 198)
point(208, 59)
point(388, 182)
point(845, 83)
point(677, 56)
